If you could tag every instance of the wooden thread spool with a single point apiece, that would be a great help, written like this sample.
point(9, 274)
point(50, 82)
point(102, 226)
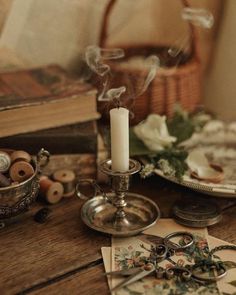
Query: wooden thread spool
point(21, 171)
point(5, 162)
point(52, 191)
point(4, 181)
point(20, 156)
point(67, 179)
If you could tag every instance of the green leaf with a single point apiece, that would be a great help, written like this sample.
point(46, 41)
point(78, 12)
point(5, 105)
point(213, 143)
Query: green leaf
point(137, 253)
point(180, 127)
point(176, 159)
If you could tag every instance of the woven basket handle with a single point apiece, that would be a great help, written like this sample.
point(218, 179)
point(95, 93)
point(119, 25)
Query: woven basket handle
point(104, 31)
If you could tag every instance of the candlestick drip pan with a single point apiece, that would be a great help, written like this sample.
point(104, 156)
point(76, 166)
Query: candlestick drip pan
point(100, 214)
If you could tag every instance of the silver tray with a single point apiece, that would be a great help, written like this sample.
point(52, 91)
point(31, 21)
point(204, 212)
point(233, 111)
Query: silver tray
point(220, 148)
point(141, 213)
point(211, 189)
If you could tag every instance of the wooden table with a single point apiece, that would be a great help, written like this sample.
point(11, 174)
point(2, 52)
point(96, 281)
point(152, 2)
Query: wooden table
point(63, 256)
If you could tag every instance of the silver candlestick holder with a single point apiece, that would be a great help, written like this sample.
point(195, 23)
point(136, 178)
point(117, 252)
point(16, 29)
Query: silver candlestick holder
point(119, 212)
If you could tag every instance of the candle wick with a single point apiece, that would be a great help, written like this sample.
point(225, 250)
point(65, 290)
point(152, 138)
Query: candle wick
point(117, 103)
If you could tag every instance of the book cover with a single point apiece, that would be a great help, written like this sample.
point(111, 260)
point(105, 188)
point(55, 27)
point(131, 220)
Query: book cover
point(41, 98)
point(72, 139)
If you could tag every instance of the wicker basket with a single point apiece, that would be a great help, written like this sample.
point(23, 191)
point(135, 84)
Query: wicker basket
point(171, 85)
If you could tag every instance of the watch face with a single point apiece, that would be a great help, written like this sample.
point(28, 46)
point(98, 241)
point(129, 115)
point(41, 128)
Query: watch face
point(196, 213)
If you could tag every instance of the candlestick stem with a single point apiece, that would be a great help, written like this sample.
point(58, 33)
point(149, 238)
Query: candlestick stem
point(120, 185)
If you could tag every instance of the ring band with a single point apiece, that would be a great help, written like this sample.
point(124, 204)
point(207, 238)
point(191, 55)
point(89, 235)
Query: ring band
point(174, 246)
point(209, 279)
point(164, 254)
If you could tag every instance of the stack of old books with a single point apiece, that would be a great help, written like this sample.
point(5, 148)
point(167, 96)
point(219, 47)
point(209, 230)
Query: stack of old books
point(45, 107)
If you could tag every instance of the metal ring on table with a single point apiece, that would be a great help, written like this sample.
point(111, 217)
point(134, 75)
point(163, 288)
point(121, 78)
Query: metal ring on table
point(161, 252)
point(221, 273)
point(174, 246)
point(222, 248)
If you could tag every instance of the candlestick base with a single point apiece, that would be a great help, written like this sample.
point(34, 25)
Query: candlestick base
point(140, 214)
point(119, 213)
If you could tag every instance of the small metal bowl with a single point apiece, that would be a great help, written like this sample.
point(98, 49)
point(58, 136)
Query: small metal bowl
point(16, 199)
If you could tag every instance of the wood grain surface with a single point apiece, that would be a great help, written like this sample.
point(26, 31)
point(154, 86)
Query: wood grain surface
point(33, 253)
point(226, 229)
point(63, 256)
point(89, 281)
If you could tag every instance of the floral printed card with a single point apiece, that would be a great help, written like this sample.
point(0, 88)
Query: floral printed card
point(226, 285)
point(127, 253)
point(106, 255)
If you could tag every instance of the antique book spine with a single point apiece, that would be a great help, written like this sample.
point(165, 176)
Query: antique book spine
point(43, 98)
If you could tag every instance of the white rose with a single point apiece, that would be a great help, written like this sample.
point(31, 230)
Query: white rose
point(154, 133)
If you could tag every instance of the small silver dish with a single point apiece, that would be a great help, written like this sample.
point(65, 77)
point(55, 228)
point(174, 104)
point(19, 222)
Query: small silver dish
point(16, 199)
point(100, 214)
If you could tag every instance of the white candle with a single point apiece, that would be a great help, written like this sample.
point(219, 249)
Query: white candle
point(119, 118)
